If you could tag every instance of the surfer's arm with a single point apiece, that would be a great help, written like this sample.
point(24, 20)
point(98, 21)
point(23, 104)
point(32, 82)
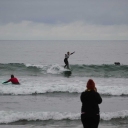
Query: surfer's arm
point(7, 81)
point(72, 53)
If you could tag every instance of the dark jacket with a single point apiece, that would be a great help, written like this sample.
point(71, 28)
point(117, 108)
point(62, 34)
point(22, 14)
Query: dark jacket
point(90, 101)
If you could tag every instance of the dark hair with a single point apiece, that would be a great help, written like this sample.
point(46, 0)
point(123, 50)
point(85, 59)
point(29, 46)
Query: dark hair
point(90, 84)
point(12, 76)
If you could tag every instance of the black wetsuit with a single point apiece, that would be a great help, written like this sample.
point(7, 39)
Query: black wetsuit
point(90, 110)
point(66, 60)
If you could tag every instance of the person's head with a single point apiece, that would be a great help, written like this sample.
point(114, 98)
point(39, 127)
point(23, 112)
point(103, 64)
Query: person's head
point(68, 53)
point(12, 76)
point(90, 85)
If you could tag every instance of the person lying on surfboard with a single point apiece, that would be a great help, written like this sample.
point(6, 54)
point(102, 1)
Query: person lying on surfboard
point(66, 59)
point(13, 79)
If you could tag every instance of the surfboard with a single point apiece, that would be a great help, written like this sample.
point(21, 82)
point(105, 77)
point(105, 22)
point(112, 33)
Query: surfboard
point(68, 68)
point(67, 72)
point(6, 83)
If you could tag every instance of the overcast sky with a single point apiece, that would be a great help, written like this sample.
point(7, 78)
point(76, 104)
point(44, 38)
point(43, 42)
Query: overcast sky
point(63, 19)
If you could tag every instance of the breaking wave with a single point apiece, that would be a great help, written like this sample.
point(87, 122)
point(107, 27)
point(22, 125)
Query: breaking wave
point(115, 71)
point(12, 116)
point(61, 87)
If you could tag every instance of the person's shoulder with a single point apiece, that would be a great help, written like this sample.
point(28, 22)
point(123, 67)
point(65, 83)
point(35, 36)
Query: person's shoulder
point(84, 92)
point(97, 94)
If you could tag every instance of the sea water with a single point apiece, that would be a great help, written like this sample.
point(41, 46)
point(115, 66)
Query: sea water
point(49, 96)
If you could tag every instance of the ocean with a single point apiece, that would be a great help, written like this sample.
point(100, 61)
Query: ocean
point(49, 95)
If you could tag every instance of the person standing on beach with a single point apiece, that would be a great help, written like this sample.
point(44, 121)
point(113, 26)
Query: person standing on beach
point(13, 79)
point(90, 99)
point(66, 59)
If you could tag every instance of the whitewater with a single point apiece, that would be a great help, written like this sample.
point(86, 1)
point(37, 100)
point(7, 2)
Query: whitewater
point(106, 87)
point(10, 116)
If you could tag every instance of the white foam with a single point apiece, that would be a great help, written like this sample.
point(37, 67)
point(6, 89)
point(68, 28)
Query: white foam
point(54, 69)
point(13, 116)
point(40, 87)
point(45, 85)
point(114, 115)
point(113, 90)
point(51, 69)
point(35, 65)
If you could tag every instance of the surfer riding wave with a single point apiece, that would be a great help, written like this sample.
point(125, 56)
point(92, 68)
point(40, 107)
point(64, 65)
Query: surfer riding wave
point(66, 59)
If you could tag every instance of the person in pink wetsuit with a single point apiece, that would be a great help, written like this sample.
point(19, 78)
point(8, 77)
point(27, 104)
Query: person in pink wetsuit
point(13, 79)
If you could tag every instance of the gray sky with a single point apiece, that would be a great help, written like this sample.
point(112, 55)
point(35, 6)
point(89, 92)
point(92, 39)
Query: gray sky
point(63, 19)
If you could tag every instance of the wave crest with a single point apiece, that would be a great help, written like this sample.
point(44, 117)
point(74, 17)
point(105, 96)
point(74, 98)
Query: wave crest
point(116, 71)
point(60, 86)
point(11, 116)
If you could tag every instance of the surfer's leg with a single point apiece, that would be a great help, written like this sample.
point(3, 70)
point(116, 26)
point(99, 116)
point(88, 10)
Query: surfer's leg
point(66, 62)
point(68, 66)
point(65, 66)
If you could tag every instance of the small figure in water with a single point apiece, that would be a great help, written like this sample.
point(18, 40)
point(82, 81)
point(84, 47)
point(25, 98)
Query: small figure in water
point(117, 63)
point(66, 59)
point(13, 79)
